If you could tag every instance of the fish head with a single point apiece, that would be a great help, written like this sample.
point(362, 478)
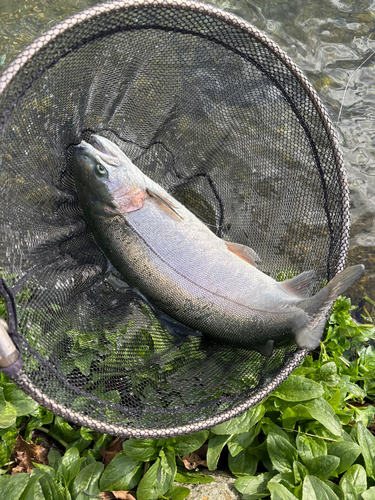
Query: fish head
point(106, 180)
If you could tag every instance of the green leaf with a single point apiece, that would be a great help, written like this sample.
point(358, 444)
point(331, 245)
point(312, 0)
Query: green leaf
point(60, 429)
point(243, 464)
point(261, 453)
point(268, 426)
point(103, 441)
point(122, 473)
point(215, 447)
point(369, 494)
point(254, 486)
point(242, 423)
point(242, 441)
point(87, 480)
point(86, 434)
point(70, 458)
point(156, 481)
point(346, 451)
point(323, 466)
point(348, 489)
point(187, 444)
point(285, 478)
point(335, 488)
point(12, 487)
point(280, 492)
point(326, 370)
point(294, 414)
point(354, 390)
point(296, 388)
point(281, 452)
point(45, 468)
point(6, 445)
point(324, 413)
point(149, 487)
point(316, 489)
point(141, 449)
point(309, 448)
point(367, 443)
point(91, 456)
point(8, 414)
point(69, 467)
point(43, 417)
point(81, 444)
point(177, 493)
point(299, 472)
point(356, 476)
point(50, 489)
point(189, 477)
point(22, 402)
point(53, 458)
point(33, 490)
point(168, 463)
point(364, 415)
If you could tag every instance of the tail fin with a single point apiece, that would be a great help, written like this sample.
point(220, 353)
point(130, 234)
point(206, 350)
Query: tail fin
point(317, 307)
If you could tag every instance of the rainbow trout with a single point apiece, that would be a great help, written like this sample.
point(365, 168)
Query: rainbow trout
point(183, 269)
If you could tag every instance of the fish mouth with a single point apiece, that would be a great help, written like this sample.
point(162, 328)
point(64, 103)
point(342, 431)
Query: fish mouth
point(105, 155)
point(95, 141)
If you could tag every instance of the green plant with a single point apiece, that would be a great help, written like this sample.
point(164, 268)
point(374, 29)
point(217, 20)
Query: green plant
point(308, 440)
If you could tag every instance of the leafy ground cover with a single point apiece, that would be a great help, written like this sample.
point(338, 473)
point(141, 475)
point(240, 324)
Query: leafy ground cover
point(312, 438)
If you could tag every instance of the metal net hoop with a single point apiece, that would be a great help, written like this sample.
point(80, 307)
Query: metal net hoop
point(218, 114)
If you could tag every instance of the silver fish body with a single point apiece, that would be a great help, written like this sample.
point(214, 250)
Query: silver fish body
point(186, 271)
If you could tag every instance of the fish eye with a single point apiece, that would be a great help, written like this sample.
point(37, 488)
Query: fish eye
point(100, 170)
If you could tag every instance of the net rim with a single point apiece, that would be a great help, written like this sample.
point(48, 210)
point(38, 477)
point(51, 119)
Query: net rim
point(27, 385)
point(9, 76)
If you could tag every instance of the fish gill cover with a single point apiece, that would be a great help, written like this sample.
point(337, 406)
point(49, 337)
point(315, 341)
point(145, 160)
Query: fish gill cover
point(215, 113)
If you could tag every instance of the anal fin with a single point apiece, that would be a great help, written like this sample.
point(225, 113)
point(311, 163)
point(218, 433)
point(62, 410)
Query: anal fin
point(266, 349)
point(243, 252)
point(166, 204)
point(300, 285)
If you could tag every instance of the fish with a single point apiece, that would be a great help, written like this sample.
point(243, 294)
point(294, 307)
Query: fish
point(184, 270)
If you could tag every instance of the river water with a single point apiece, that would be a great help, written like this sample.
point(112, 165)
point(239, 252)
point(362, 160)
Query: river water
point(332, 41)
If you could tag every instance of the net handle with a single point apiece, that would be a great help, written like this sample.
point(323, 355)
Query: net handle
point(11, 361)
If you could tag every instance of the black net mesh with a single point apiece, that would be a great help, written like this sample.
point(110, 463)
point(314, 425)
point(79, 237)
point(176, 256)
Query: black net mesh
point(218, 115)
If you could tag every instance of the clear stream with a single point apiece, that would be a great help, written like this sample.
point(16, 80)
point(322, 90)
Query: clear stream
point(333, 43)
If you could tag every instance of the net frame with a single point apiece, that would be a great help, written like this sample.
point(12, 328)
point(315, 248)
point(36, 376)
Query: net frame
point(55, 37)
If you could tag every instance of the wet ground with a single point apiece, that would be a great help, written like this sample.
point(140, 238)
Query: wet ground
point(332, 41)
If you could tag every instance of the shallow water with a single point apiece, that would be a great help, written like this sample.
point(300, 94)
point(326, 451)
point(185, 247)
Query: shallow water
point(331, 41)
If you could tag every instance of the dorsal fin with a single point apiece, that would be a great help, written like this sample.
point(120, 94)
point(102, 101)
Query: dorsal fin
point(243, 252)
point(166, 204)
point(300, 285)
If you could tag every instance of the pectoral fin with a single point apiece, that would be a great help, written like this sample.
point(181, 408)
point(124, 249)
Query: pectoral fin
point(174, 327)
point(127, 198)
point(166, 204)
point(243, 252)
